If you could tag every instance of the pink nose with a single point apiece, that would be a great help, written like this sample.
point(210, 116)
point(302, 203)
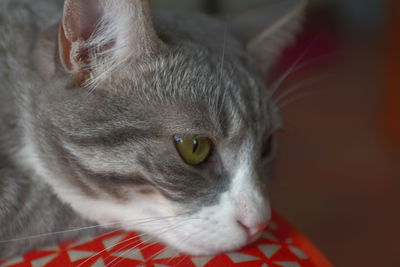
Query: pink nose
point(253, 231)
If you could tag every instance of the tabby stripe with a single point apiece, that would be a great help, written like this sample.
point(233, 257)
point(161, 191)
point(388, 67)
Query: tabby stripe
point(136, 179)
point(115, 138)
point(104, 180)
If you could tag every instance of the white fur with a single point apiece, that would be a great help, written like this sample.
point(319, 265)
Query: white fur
point(125, 24)
point(211, 230)
point(217, 229)
point(251, 205)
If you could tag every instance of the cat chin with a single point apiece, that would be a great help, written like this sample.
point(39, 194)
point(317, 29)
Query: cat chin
point(199, 239)
point(205, 249)
point(211, 230)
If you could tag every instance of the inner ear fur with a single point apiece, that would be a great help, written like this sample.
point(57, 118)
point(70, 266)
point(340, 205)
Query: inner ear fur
point(97, 35)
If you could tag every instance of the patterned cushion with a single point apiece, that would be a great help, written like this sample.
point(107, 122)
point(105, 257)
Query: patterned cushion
point(280, 245)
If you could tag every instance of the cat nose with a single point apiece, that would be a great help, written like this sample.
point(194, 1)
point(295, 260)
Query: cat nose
point(254, 230)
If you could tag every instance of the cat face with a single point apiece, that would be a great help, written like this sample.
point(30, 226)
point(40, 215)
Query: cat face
point(167, 139)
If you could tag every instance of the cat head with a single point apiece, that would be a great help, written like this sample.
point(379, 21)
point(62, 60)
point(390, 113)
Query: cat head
point(161, 125)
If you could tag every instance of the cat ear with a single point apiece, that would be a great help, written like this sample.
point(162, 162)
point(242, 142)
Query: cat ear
point(266, 31)
point(100, 34)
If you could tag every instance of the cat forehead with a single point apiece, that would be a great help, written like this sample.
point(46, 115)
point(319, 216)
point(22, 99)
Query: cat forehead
point(150, 119)
point(188, 75)
point(190, 88)
point(194, 89)
point(199, 71)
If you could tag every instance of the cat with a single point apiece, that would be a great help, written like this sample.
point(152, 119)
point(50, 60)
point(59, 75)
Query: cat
point(157, 123)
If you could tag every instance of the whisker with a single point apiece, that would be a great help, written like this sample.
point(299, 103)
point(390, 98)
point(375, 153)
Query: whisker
point(223, 53)
point(121, 242)
point(277, 84)
point(179, 262)
point(158, 253)
point(125, 246)
point(104, 234)
point(140, 235)
point(140, 221)
point(300, 85)
point(301, 96)
point(184, 240)
point(149, 239)
point(314, 60)
point(221, 67)
point(131, 249)
point(109, 247)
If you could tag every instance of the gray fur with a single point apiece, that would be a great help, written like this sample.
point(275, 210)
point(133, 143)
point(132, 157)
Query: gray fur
point(31, 208)
point(114, 142)
point(27, 205)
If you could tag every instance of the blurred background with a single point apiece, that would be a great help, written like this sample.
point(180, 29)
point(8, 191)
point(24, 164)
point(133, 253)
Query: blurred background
point(338, 167)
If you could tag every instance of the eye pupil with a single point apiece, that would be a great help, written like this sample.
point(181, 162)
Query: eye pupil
point(194, 150)
point(195, 145)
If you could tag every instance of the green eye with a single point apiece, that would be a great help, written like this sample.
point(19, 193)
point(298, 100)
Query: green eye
point(193, 149)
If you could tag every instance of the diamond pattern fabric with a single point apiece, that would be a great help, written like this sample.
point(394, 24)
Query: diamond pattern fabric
point(280, 245)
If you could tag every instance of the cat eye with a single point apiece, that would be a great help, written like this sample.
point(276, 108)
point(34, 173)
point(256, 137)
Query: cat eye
point(268, 147)
point(194, 150)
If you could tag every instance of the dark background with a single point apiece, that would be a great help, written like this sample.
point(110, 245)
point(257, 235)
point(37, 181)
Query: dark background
point(337, 177)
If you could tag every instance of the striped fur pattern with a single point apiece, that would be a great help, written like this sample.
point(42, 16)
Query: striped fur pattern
point(102, 152)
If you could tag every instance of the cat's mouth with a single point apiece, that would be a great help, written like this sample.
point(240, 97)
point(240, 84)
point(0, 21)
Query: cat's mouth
point(210, 243)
